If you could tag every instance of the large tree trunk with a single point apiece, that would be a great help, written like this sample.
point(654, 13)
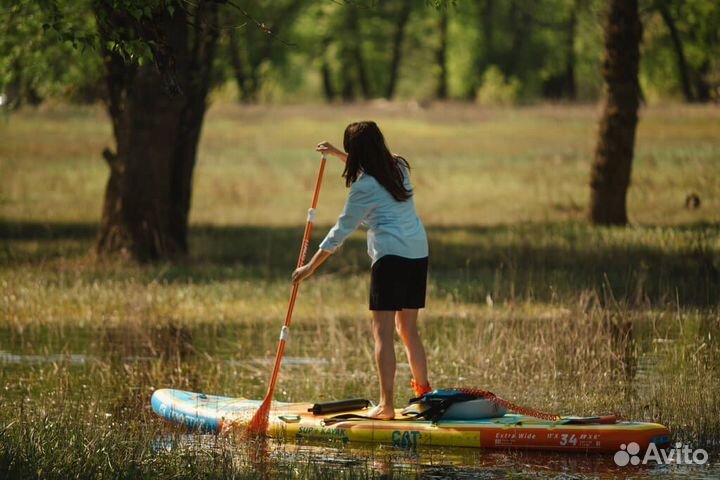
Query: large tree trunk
point(441, 91)
point(397, 43)
point(147, 198)
point(612, 165)
point(683, 69)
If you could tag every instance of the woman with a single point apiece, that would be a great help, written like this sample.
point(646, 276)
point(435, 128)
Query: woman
point(381, 198)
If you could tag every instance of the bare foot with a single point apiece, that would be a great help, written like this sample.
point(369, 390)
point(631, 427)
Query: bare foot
point(382, 413)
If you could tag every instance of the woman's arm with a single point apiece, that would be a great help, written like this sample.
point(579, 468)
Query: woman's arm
point(328, 148)
point(358, 204)
point(309, 268)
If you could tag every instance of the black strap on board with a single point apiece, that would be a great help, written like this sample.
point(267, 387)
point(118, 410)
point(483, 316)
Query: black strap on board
point(335, 406)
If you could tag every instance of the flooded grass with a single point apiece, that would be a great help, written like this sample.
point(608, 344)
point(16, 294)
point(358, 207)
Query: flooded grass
point(524, 299)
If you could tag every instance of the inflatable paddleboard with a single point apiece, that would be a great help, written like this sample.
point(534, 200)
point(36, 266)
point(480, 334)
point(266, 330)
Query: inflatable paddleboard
point(211, 413)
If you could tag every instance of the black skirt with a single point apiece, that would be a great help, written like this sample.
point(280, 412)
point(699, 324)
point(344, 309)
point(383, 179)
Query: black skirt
point(397, 283)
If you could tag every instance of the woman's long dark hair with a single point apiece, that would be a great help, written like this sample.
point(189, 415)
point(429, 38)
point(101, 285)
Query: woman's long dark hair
point(367, 152)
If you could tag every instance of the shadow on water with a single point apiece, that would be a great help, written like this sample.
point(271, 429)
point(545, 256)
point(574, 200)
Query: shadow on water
point(636, 266)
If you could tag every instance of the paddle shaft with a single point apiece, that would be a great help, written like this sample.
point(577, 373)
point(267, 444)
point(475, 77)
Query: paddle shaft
point(284, 332)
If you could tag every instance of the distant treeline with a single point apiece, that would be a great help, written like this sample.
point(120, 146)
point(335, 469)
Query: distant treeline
point(491, 51)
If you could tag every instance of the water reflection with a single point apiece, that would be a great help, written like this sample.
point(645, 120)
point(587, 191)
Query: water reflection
point(276, 458)
point(32, 359)
point(288, 361)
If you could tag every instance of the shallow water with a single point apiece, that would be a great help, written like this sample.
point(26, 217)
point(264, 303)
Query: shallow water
point(111, 373)
point(435, 462)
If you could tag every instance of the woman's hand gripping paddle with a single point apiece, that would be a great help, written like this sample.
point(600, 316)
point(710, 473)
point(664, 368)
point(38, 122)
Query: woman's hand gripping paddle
point(259, 423)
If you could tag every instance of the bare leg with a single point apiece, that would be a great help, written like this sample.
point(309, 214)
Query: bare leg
point(406, 324)
point(384, 334)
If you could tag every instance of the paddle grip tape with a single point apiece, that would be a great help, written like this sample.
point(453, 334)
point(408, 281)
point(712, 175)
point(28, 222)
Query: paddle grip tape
point(284, 333)
point(312, 213)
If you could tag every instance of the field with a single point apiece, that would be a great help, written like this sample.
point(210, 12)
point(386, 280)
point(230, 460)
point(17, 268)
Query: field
point(525, 298)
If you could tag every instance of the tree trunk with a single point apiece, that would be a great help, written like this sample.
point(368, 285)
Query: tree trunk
point(570, 62)
point(148, 193)
point(610, 177)
point(346, 73)
point(327, 81)
point(521, 18)
point(679, 50)
point(441, 91)
point(488, 32)
point(354, 47)
point(246, 91)
point(361, 72)
point(487, 58)
point(702, 86)
point(328, 89)
point(397, 43)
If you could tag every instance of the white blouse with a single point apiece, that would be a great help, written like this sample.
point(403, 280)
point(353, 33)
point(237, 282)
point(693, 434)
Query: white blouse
point(393, 226)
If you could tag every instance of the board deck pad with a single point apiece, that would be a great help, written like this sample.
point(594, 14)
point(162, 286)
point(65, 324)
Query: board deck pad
point(212, 413)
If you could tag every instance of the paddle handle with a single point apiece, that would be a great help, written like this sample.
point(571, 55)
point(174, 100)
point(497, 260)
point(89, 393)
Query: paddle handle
point(285, 331)
point(306, 238)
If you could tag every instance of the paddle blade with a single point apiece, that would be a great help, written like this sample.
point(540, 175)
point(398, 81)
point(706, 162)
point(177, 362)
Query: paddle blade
point(259, 423)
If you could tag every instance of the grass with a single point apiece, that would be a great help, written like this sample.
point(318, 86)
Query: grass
point(524, 297)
